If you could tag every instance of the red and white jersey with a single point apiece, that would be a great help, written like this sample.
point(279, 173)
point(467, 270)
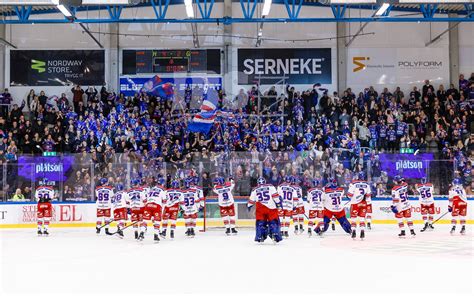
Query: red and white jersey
point(225, 197)
point(173, 197)
point(156, 195)
point(457, 191)
point(289, 196)
point(190, 201)
point(44, 193)
point(400, 197)
point(358, 191)
point(426, 193)
point(265, 195)
point(332, 199)
point(315, 199)
point(299, 196)
point(119, 200)
point(104, 196)
point(137, 197)
point(200, 193)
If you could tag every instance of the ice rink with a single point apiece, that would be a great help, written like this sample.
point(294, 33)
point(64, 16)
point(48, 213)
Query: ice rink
point(77, 261)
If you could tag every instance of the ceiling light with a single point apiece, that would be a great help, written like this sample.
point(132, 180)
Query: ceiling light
point(382, 9)
point(189, 8)
point(267, 4)
point(64, 10)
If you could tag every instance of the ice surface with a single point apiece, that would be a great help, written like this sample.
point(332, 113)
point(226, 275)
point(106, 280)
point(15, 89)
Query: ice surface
point(77, 261)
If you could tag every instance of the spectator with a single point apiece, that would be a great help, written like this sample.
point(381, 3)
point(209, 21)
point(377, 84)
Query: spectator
point(18, 196)
point(77, 93)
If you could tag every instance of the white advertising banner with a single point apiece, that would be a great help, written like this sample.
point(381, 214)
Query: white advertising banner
point(84, 214)
point(391, 67)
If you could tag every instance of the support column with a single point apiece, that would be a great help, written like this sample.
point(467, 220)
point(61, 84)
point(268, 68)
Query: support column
point(453, 51)
point(227, 56)
point(341, 58)
point(3, 53)
point(113, 61)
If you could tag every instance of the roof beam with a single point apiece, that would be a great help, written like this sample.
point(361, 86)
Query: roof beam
point(338, 11)
point(205, 8)
point(160, 7)
point(23, 12)
point(115, 12)
point(293, 8)
point(248, 8)
point(428, 10)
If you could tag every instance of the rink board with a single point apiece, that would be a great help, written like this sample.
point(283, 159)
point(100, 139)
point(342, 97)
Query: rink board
point(70, 214)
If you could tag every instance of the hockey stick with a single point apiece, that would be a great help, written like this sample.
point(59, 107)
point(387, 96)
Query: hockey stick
point(439, 218)
point(106, 224)
point(112, 233)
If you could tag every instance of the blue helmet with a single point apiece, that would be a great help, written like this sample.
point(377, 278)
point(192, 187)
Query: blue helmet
point(361, 176)
point(195, 180)
point(295, 180)
point(175, 184)
point(457, 182)
point(220, 181)
point(398, 179)
point(119, 187)
point(161, 181)
point(261, 181)
point(332, 182)
point(136, 182)
point(103, 181)
point(423, 180)
point(316, 182)
point(45, 180)
point(187, 182)
point(288, 179)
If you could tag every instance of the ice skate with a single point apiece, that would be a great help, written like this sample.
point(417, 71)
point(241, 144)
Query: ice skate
point(333, 226)
point(463, 230)
point(362, 234)
point(156, 238)
point(296, 229)
point(141, 236)
point(453, 229)
point(120, 233)
point(310, 233)
point(424, 227)
point(227, 231)
point(286, 234)
point(97, 230)
point(136, 234)
point(369, 226)
point(402, 234)
point(163, 233)
point(430, 225)
point(412, 232)
point(45, 232)
point(353, 235)
point(172, 234)
point(234, 231)
point(301, 229)
point(191, 232)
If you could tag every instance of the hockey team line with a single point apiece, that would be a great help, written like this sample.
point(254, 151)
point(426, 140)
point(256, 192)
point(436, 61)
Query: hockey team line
point(239, 223)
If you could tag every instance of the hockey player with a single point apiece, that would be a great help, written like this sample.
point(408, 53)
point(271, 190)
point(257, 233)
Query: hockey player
point(43, 195)
point(120, 206)
point(137, 197)
point(190, 204)
point(360, 195)
point(226, 203)
point(316, 207)
point(401, 206)
point(267, 202)
point(153, 207)
point(298, 213)
point(104, 194)
point(332, 198)
point(173, 197)
point(289, 197)
point(458, 205)
point(427, 203)
point(194, 185)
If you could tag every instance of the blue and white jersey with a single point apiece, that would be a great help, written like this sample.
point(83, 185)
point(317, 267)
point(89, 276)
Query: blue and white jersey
point(288, 195)
point(315, 199)
point(224, 194)
point(265, 195)
point(104, 196)
point(119, 200)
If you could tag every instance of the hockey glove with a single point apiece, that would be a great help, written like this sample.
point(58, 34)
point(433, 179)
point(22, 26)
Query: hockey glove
point(249, 208)
point(450, 209)
point(394, 209)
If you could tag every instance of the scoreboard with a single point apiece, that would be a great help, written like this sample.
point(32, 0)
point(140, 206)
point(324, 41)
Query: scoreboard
point(172, 61)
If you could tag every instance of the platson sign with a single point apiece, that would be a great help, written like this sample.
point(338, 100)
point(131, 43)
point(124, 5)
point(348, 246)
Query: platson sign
point(406, 165)
point(297, 65)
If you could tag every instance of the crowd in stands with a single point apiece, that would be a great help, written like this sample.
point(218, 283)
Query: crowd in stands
point(340, 130)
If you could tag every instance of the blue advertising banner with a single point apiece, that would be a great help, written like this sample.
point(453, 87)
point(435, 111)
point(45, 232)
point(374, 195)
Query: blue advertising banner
point(53, 168)
point(406, 165)
point(167, 87)
point(297, 65)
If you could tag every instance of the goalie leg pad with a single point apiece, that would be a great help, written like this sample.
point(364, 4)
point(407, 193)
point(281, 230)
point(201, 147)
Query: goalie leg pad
point(261, 229)
point(345, 224)
point(274, 227)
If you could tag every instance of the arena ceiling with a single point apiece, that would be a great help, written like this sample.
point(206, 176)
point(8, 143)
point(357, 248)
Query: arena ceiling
point(25, 11)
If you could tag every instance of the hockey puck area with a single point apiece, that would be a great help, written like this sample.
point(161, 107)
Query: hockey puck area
point(77, 261)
